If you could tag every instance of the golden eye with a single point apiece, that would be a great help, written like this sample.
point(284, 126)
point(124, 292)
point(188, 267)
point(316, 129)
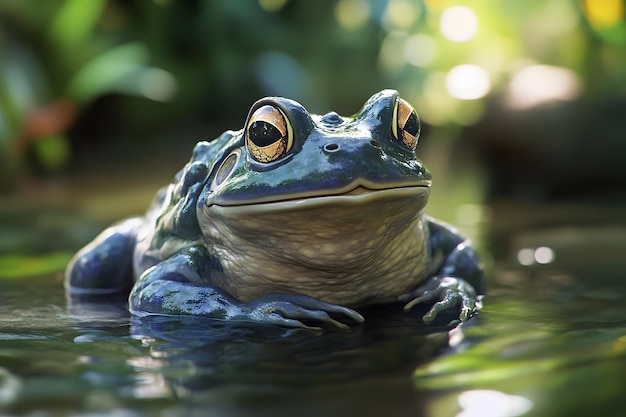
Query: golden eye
point(269, 135)
point(405, 126)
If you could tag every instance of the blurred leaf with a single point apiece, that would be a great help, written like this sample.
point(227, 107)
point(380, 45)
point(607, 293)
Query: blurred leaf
point(21, 266)
point(74, 21)
point(53, 152)
point(614, 34)
point(21, 84)
point(122, 70)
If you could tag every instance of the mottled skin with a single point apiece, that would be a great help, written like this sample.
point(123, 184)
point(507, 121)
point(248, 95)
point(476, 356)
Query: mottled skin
point(334, 224)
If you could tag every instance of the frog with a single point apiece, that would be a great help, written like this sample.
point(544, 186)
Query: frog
point(297, 220)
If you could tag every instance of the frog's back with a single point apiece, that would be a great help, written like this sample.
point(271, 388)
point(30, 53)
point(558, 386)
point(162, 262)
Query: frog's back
point(171, 223)
point(202, 158)
point(115, 258)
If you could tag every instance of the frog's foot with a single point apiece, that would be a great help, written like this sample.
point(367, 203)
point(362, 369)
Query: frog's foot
point(163, 290)
point(293, 310)
point(445, 294)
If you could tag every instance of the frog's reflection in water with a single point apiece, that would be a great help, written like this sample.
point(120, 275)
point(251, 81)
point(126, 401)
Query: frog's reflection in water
point(191, 357)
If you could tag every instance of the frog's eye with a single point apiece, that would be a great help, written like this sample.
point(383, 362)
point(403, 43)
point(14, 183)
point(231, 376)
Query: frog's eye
point(269, 134)
point(405, 126)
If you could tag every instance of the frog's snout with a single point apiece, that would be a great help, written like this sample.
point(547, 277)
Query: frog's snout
point(334, 146)
point(332, 119)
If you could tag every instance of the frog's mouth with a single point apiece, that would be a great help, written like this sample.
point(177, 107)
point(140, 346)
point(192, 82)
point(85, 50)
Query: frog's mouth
point(355, 194)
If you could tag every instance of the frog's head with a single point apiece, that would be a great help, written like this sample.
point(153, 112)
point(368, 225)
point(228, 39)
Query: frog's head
point(285, 157)
point(286, 160)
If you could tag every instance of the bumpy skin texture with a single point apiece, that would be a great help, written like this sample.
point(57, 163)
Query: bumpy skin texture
point(334, 224)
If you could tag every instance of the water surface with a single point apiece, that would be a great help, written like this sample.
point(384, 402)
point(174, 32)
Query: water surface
point(550, 341)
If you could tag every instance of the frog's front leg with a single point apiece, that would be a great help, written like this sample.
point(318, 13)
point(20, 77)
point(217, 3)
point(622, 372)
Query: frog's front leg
point(458, 279)
point(178, 286)
point(104, 266)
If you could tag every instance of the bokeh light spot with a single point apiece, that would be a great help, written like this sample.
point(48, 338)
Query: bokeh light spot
point(272, 5)
point(390, 54)
point(458, 23)
point(526, 256)
point(604, 13)
point(468, 82)
point(400, 14)
point(352, 14)
point(544, 255)
point(491, 403)
point(534, 85)
point(420, 50)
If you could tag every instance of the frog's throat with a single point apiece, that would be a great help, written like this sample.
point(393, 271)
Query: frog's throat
point(358, 193)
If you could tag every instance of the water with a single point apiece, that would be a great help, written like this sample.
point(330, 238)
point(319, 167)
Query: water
point(91, 358)
point(550, 341)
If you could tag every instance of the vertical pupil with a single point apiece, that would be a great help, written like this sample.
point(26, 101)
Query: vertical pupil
point(263, 133)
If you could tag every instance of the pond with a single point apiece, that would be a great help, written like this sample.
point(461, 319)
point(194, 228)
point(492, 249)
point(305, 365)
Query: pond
point(550, 341)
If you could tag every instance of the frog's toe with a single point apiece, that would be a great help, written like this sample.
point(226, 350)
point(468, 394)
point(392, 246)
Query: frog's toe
point(279, 320)
point(298, 317)
point(447, 295)
point(300, 311)
point(449, 302)
point(412, 299)
point(468, 306)
point(324, 309)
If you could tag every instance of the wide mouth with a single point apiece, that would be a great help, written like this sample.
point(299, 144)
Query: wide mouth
point(355, 194)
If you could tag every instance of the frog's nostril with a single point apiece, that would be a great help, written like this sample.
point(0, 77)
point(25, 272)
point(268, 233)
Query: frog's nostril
point(375, 144)
point(331, 147)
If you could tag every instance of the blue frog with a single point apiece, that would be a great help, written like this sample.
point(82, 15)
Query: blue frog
point(296, 220)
